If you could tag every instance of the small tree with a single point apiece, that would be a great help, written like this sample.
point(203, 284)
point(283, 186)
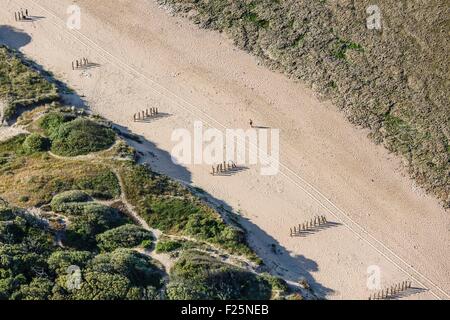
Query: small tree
point(35, 143)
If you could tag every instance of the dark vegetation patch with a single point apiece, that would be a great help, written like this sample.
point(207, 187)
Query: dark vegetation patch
point(199, 276)
point(80, 137)
point(33, 267)
point(168, 246)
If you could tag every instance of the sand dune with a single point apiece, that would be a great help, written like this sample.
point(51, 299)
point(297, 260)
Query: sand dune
point(147, 58)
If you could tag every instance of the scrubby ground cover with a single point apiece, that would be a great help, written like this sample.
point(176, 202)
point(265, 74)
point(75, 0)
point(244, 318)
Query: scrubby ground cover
point(393, 81)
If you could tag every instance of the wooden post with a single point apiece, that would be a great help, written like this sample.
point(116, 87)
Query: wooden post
point(26, 12)
point(291, 232)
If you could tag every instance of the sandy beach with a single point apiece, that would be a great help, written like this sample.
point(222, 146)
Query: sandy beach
point(148, 58)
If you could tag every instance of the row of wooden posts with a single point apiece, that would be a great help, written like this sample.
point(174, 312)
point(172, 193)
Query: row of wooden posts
point(80, 63)
point(391, 291)
point(308, 225)
point(223, 167)
point(147, 113)
point(21, 15)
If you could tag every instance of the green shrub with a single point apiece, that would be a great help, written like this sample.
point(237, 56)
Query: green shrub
point(87, 220)
point(199, 276)
point(38, 289)
point(168, 246)
point(138, 268)
point(102, 186)
point(81, 137)
point(52, 121)
point(59, 261)
point(147, 244)
point(35, 143)
point(126, 236)
point(59, 201)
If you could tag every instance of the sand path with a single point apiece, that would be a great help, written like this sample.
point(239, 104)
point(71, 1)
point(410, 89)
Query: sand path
point(147, 58)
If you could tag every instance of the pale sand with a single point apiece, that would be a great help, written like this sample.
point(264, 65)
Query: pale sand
point(209, 76)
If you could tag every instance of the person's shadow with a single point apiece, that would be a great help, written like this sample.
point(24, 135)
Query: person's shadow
point(13, 37)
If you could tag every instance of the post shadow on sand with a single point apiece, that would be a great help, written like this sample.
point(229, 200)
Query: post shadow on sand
point(13, 38)
point(406, 293)
point(317, 229)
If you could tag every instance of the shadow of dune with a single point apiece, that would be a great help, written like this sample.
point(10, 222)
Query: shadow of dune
point(13, 37)
point(149, 153)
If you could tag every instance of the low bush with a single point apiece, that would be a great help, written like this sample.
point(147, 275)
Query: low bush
point(126, 236)
point(81, 137)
